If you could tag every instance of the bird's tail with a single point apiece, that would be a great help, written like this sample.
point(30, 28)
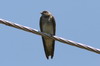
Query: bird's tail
point(49, 47)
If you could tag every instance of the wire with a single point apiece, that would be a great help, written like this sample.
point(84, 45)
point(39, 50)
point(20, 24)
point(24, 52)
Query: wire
point(69, 42)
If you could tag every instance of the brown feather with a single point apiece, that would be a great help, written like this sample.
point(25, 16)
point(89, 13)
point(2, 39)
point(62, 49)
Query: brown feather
point(48, 51)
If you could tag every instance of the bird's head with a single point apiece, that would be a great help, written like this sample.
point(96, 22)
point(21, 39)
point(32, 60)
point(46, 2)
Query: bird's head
point(45, 13)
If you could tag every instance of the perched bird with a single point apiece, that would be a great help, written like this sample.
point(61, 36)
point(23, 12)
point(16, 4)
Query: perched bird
point(48, 25)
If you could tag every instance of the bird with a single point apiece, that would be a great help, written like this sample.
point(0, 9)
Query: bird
point(48, 25)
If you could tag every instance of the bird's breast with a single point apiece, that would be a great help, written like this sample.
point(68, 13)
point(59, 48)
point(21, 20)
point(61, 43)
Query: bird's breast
point(48, 27)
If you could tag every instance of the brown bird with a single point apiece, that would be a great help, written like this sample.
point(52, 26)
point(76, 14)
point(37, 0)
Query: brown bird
point(48, 25)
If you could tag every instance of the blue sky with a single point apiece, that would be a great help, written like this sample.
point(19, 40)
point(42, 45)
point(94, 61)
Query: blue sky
point(77, 20)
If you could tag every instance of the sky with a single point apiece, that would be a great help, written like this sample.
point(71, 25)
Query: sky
point(76, 20)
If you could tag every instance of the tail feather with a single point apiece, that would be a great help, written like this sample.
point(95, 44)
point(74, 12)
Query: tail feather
point(48, 47)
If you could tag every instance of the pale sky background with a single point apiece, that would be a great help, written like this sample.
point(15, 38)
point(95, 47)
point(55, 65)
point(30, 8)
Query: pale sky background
point(77, 20)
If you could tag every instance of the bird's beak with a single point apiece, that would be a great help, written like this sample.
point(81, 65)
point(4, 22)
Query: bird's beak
point(41, 13)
